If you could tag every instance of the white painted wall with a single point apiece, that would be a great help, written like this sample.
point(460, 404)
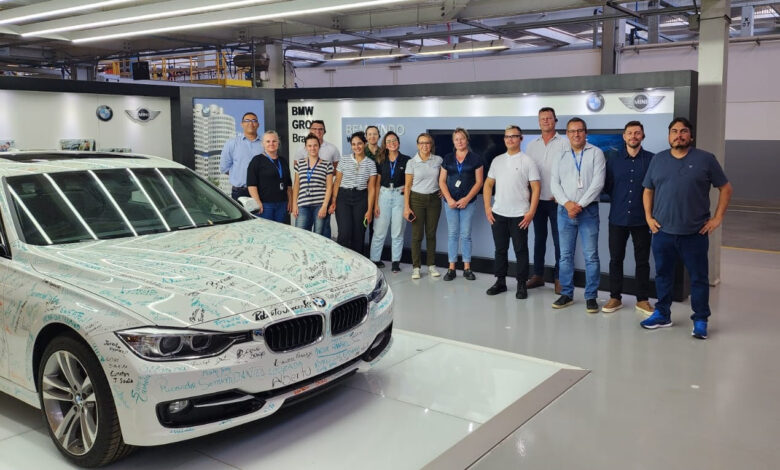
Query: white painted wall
point(536, 65)
point(38, 120)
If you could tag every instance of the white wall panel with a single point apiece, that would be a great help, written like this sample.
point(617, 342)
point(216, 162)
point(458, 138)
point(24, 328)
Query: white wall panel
point(38, 120)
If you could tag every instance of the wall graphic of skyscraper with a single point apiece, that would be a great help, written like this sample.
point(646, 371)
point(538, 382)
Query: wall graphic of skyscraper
point(211, 128)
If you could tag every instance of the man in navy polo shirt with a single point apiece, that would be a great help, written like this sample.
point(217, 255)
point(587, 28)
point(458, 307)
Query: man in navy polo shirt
point(623, 183)
point(677, 209)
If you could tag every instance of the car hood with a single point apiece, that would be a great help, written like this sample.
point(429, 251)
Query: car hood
point(188, 277)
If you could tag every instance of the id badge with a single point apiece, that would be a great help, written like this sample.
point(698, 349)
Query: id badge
point(457, 184)
point(281, 186)
point(579, 183)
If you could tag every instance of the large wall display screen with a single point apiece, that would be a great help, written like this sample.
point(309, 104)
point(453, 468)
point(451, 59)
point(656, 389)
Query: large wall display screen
point(486, 117)
point(214, 122)
point(35, 120)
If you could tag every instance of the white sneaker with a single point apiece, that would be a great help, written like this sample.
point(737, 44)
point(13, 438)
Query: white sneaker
point(433, 272)
point(416, 273)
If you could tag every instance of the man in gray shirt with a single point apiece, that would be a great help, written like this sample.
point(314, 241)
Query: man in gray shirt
point(577, 180)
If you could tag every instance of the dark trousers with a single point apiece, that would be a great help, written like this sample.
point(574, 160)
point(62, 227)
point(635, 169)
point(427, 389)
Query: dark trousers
point(618, 237)
point(547, 210)
point(351, 208)
point(504, 229)
point(237, 192)
point(693, 251)
point(427, 209)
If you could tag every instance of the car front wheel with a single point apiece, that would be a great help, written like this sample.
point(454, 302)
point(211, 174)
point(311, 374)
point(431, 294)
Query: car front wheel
point(77, 404)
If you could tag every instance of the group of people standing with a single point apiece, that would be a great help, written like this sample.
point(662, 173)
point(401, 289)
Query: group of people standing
point(661, 202)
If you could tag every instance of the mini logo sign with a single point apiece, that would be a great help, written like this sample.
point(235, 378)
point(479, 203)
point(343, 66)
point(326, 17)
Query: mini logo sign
point(104, 113)
point(595, 102)
point(641, 102)
point(142, 114)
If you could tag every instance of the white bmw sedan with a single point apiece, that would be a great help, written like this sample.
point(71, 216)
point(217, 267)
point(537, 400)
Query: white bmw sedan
point(142, 306)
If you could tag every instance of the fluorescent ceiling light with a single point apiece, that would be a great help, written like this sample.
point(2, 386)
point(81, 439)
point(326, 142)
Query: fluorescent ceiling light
point(45, 9)
point(462, 47)
point(294, 8)
point(175, 9)
point(369, 54)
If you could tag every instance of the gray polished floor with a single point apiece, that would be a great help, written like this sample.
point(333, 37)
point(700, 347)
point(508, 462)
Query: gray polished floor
point(654, 399)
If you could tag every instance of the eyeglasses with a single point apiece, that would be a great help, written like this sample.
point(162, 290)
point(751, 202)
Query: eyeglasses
point(253, 121)
point(513, 136)
point(576, 131)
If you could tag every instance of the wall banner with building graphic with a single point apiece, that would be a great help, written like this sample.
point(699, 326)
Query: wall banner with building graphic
point(215, 121)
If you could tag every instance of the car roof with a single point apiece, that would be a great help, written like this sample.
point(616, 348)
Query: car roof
point(15, 163)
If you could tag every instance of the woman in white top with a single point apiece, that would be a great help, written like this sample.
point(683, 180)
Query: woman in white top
point(312, 187)
point(354, 194)
point(422, 203)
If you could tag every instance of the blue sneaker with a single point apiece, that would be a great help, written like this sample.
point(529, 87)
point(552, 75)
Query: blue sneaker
point(656, 320)
point(699, 329)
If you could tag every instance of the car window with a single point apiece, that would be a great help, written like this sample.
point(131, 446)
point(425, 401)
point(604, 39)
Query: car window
point(89, 205)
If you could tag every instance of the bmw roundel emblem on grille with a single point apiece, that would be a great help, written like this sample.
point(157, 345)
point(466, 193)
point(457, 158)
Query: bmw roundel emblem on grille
point(318, 302)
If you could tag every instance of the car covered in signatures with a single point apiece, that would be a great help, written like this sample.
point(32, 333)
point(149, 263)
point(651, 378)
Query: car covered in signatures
point(142, 306)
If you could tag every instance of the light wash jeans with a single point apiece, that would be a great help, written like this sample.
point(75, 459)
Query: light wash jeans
point(391, 215)
point(307, 219)
point(459, 229)
point(586, 224)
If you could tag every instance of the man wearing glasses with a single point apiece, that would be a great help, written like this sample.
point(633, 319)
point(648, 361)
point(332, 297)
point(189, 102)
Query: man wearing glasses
point(238, 152)
point(677, 209)
point(516, 179)
point(328, 153)
point(577, 180)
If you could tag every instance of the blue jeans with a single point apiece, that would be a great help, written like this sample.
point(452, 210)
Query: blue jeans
point(459, 228)
point(307, 218)
point(391, 215)
point(546, 210)
point(586, 224)
point(276, 211)
point(693, 251)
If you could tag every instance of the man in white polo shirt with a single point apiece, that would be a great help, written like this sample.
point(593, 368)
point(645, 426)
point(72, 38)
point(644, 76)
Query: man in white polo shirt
point(517, 181)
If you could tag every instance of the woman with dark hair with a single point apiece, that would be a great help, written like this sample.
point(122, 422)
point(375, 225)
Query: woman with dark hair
point(422, 203)
point(353, 198)
point(312, 187)
point(460, 181)
point(389, 203)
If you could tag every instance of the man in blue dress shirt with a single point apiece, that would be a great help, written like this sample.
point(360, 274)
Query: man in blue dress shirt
point(677, 209)
point(625, 173)
point(238, 152)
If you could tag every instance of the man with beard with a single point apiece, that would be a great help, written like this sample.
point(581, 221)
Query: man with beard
point(623, 183)
point(677, 209)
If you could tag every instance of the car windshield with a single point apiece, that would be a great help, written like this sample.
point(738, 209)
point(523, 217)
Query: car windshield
point(76, 206)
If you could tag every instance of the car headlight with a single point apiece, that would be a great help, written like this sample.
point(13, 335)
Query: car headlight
point(380, 288)
point(170, 344)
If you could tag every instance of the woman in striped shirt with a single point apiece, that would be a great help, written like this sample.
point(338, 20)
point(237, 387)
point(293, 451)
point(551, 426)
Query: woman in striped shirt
point(354, 194)
point(312, 188)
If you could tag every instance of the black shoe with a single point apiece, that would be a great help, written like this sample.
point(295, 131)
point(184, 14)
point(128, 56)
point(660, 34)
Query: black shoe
point(396, 266)
point(449, 275)
point(563, 302)
point(522, 291)
point(497, 288)
point(469, 275)
point(379, 264)
point(591, 306)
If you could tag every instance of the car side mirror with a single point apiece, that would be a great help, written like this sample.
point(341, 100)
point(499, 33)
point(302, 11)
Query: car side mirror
point(249, 203)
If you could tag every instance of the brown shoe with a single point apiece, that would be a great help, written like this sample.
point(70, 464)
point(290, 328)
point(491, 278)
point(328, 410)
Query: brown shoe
point(557, 287)
point(535, 281)
point(644, 307)
point(612, 306)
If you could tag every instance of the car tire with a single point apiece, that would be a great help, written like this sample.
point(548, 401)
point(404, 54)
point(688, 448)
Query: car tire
point(77, 405)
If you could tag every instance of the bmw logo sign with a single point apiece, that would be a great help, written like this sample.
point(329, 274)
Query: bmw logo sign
point(318, 301)
point(104, 113)
point(595, 102)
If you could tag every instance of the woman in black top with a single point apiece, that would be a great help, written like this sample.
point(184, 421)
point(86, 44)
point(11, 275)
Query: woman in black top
point(389, 204)
point(268, 180)
point(460, 180)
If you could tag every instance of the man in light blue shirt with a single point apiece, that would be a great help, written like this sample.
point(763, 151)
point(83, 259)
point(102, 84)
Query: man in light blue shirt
point(238, 152)
point(577, 180)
